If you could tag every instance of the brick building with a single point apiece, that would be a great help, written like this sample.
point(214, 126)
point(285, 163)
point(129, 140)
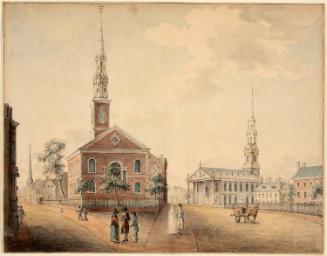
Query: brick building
point(10, 174)
point(306, 179)
point(111, 147)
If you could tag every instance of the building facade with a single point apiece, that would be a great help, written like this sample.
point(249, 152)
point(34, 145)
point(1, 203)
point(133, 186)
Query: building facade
point(224, 187)
point(271, 192)
point(111, 148)
point(305, 181)
point(10, 173)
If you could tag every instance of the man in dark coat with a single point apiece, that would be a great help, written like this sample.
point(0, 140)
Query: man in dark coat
point(125, 226)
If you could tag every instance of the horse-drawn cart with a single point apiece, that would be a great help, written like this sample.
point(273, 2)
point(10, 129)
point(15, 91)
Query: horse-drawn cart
point(246, 213)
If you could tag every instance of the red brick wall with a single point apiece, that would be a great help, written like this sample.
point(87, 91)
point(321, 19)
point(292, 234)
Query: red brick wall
point(127, 161)
point(105, 143)
point(305, 186)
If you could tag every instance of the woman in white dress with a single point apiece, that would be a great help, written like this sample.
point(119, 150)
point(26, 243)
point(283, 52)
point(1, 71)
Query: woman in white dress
point(172, 221)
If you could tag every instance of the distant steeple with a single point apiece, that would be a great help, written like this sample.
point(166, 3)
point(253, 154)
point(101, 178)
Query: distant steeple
point(30, 177)
point(251, 150)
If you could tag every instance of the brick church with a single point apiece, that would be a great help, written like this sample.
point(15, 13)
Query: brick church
point(112, 147)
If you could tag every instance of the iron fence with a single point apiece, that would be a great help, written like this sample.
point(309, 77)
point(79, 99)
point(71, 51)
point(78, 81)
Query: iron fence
point(304, 208)
point(95, 203)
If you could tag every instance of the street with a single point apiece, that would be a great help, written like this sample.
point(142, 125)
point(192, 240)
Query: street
point(53, 232)
point(216, 231)
point(206, 230)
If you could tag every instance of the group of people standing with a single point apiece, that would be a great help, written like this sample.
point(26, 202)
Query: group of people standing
point(176, 220)
point(125, 225)
point(81, 212)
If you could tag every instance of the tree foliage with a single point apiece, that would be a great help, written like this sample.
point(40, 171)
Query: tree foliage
point(81, 185)
point(156, 185)
point(317, 190)
point(52, 156)
point(113, 181)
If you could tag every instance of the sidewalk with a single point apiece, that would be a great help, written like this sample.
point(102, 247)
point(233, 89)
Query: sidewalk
point(158, 241)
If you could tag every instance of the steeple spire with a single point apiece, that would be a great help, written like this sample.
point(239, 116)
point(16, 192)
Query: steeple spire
point(101, 31)
point(30, 178)
point(251, 151)
point(100, 79)
point(100, 109)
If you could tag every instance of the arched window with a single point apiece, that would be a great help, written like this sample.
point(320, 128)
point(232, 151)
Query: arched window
point(115, 169)
point(241, 187)
point(91, 167)
point(91, 186)
point(252, 188)
point(235, 186)
point(225, 184)
point(246, 187)
point(230, 186)
point(137, 166)
point(137, 187)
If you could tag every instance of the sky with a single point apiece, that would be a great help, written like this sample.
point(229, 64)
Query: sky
point(180, 79)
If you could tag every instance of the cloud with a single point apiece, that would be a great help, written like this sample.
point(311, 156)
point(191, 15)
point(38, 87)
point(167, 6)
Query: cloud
point(244, 41)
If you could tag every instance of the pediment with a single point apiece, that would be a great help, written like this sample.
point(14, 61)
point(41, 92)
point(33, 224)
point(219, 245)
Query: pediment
point(114, 138)
point(199, 175)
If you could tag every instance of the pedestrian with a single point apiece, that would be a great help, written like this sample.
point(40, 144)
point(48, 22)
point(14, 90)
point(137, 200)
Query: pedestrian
point(114, 228)
point(85, 212)
point(135, 225)
point(21, 214)
point(172, 221)
point(79, 212)
point(125, 226)
point(180, 218)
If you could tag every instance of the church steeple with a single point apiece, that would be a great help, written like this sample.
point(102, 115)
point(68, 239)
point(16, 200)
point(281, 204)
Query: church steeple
point(251, 150)
point(100, 113)
point(100, 80)
point(30, 177)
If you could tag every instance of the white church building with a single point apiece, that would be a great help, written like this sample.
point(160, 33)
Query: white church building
point(224, 187)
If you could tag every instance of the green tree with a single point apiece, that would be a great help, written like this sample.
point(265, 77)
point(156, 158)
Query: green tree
point(317, 190)
point(113, 181)
point(53, 166)
point(81, 185)
point(156, 185)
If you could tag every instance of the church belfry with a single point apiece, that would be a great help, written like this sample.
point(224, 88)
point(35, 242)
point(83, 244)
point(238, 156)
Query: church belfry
point(101, 103)
point(251, 150)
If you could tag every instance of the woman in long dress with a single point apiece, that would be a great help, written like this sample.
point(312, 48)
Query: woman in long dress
point(172, 221)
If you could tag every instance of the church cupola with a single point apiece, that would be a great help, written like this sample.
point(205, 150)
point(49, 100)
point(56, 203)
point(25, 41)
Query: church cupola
point(101, 103)
point(251, 151)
